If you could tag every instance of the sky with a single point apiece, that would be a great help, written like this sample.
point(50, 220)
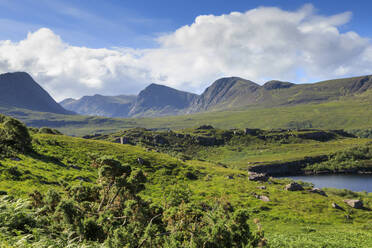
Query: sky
point(83, 47)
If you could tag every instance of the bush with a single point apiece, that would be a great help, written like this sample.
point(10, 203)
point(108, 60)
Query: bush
point(113, 214)
point(14, 136)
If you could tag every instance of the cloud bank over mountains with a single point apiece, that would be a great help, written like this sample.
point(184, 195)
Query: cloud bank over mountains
point(260, 44)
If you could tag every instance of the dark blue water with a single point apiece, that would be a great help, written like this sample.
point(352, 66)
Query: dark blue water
point(352, 182)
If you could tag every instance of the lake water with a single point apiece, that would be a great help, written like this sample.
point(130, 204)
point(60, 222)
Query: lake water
point(352, 182)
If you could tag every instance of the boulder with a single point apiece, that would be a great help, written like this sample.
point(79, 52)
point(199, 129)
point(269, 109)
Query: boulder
point(230, 177)
point(354, 203)
point(262, 197)
point(261, 187)
point(261, 177)
point(294, 187)
point(317, 191)
point(336, 206)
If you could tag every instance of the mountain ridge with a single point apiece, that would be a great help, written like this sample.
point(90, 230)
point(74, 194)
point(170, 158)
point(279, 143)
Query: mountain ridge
point(232, 92)
point(99, 105)
point(162, 100)
point(19, 90)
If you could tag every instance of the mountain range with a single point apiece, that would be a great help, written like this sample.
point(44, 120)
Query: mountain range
point(19, 90)
point(223, 94)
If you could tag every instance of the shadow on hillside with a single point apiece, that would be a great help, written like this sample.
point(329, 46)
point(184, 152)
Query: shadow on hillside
point(46, 158)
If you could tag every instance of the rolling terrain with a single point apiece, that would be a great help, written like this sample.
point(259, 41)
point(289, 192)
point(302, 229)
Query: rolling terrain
point(37, 176)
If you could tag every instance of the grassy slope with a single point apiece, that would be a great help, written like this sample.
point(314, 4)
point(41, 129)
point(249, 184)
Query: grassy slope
point(238, 157)
point(290, 219)
point(241, 151)
point(348, 113)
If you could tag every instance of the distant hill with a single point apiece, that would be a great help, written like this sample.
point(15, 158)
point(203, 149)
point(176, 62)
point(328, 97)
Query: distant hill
point(160, 100)
point(19, 90)
point(224, 94)
point(228, 93)
point(154, 100)
point(98, 105)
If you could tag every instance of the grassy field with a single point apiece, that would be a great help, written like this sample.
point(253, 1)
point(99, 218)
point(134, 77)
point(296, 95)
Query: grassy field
point(240, 150)
point(289, 219)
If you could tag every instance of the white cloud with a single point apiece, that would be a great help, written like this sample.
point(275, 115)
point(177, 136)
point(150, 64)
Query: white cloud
point(260, 44)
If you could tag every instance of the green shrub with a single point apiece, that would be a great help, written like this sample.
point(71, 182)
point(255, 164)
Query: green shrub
point(14, 136)
point(113, 214)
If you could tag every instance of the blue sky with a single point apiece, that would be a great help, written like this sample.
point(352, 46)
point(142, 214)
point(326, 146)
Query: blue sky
point(83, 47)
point(135, 23)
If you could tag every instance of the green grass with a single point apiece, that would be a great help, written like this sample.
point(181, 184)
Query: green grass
point(243, 157)
point(241, 150)
point(290, 219)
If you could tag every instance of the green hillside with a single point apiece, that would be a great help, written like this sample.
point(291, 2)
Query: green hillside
point(201, 191)
point(350, 113)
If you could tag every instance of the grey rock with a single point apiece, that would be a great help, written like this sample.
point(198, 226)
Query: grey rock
point(294, 187)
point(261, 177)
point(354, 203)
point(336, 206)
point(262, 197)
point(317, 191)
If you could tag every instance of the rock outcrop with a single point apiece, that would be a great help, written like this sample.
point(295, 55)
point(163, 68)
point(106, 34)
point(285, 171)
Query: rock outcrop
point(317, 191)
point(358, 204)
point(294, 187)
point(261, 177)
